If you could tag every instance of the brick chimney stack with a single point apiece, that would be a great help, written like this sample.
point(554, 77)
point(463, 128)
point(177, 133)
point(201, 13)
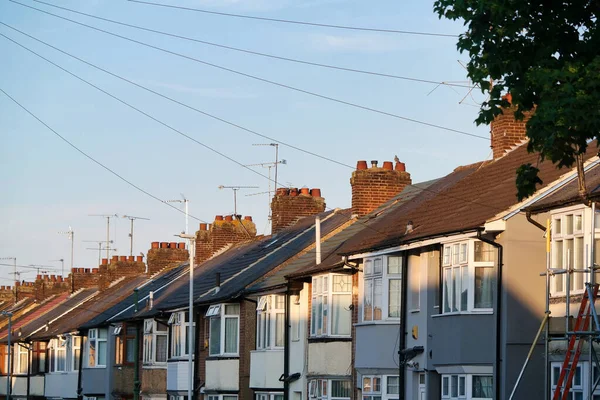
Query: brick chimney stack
point(224, 231)
point(289, 205)
point(371, 187)
point(163, 254)
point(506, 132)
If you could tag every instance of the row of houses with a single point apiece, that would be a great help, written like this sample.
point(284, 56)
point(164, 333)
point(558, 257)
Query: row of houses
point(419, 291)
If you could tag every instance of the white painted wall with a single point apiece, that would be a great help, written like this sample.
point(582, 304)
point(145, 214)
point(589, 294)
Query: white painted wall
point(222, 375)
point(177, 375)
point(61, 385)
point(19, 386)
point(266, 366)
point(333, 358)
point(298, 345)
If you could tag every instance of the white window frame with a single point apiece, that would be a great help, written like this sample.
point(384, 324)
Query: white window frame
point(371, 392)
point(460, 267)
point(151, 334)
point(378, 271)
point(464, 391)
point(321, 389)
point(268, 395)
point(20, 349)
point(268, 309)
point(58, 350)
point(580, 387)
point(73, 344)
point(322, 294)
point(220, 397)
point(562, 233)
point(218, 314)
point(179, 334)
point(94, 337)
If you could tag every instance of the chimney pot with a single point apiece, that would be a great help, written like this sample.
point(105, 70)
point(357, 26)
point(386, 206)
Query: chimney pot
point(305, 191)
point(104, 261)
point(360, 165)
point(115, 258)
point(388, 166)
point(173, 245)
point(17, 283)
point(139, 259)
point(164, 245)
point(248, 218)
point(373, 163)
point(181, 245)
point(53, 278)
point(154, 245)
point(282, 191)
point(130, 258)
point(94, 270)
point(315, 192)
point(400, 166)
point(123, 258)
point(202, 226)
point(38, 278)
point(219, 218)
point(60, 278)
point(229, 218)
point(294, 192)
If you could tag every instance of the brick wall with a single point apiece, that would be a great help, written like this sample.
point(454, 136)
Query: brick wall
point(50, 285)
point(371, 187)
point(247, 344)
point(289, 205)
point(506, 132)
point(166, 255)
point(203, 334)
point(224, 231)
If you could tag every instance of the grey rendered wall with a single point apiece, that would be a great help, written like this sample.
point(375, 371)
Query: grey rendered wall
point(61, 385)
point(93, 381)
point(376, 347)
point(523, 301)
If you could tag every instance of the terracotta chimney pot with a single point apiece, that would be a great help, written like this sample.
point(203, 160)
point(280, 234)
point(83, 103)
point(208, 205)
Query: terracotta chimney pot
point(219, 218)
point(164, 245)
point(154, 245)
point(229, 218)
point(294, 192)
point(104, 261)
point(173, 245)
point(94, 270)
point(388, 166)
point(181, 245)
point(373, 163)
point(315, 192)
point(202, 226)
point(282, 191)
point(122, 258)
point(130, 258)
point(248, 218)
point(139, 259)
point(360, 165)
point(400, 166)
point(305, 191)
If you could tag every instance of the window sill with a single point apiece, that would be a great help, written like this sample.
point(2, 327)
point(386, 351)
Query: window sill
point(275, 350)
point(327, 339)
point(155, 366)
point(416, 310)
point(222, 358)
point(98, 367)
point(454, 314)
point(369, 323)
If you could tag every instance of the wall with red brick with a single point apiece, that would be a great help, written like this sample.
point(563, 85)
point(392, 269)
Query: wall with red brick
point(166, 255)
point(371, 187)
point(247, 344)
point(289, 205)
point(224, 231)
point(506, 132)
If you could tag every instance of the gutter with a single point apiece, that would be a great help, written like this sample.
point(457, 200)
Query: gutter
point(534, 222)
point(402, 342)
point(498, 310)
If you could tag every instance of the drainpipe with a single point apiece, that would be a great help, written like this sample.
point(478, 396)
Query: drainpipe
point(498, 309)
point(402, 327)
point(534, 222)
point(136, 352)
point(79, 387)
point(196, 350)
point(286, 346)
point(29, 357)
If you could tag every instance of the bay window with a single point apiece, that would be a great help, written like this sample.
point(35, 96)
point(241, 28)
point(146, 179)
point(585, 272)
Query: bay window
point(568, 251)
point(73, 351)
point(376, 387)
point(155, 342)
point(329, 389)
point(57, 355)
point(96, 348)
point(223, 329)
point(180, 334)
point(125, 344)
point(468, 276)
point(382, 288)
point(334, 290)
point(467, 386)
point(270, 322)
point(62, 354)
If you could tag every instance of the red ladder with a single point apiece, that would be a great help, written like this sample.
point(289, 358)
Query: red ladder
point(569, 366)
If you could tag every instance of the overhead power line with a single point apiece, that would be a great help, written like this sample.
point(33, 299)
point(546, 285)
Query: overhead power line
point(355, 105)
point(257, 53)
point(90, 157)
point(170, 98)
point(289, 21)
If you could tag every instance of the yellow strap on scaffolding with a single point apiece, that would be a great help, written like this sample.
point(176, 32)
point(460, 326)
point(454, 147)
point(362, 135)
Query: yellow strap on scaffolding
point(548, 236)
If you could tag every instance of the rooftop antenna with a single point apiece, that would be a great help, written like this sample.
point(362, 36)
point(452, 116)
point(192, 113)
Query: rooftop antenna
point(235, 189)
point(71, 235)
point(108, 217)
point(185, 203)
point(268, 165)
point(132, 218)
point(100, 242)
point(276, 145)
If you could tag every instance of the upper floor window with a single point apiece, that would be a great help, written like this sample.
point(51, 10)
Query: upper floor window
point(38, 363)
point(334, 290)
point(63, 354)
point(21, 359)
point(468, 276)
point(382, 288)
point(96, 348)
point(180, 334)
point(377, 387)
point(155, 342)
point(270, 322)
point(224, 329)
point(568, 250)
point(125, 344)
point(467, 386)
point(329, 389)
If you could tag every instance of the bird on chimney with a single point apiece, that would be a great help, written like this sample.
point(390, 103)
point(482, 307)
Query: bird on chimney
point(396, 159)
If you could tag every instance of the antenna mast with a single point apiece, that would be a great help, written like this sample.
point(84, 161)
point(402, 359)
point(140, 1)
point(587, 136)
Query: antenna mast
point(108, 217)
point(235, 189)
point(132, 218)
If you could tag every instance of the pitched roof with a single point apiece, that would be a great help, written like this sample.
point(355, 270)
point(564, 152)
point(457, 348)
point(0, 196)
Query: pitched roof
point(245, 263)
point(569, 194)
point(465, 205)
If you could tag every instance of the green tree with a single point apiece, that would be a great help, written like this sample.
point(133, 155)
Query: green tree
point(546, 54)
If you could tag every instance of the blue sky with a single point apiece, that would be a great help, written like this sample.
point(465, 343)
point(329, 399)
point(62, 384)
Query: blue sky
point(47, 186)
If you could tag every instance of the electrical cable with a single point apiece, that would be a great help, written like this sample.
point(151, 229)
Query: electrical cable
point(316, 64)
point(287, 21)
point(33, 266)
point(285, 86)
point(91, 158)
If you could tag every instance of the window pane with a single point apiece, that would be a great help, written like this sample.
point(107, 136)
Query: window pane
point(101, 353)
point(445, 386)
point(569, 253)
point(377, 299)
point(377, 384)
point(455, 254)
point(557, 226)
point(578, 263)
point(454, 386)
point(394, 298)
point(130, 347)
point(342, 283)
point(231, 335)
point(341, 316)
point(455, 289)
point(578, 224)
point(482, 386)
point(280, 302)
point(341, 388)
point(367, 385)
point(464, 294)
point(447, 252)
point(368, 267)
point(279, 329)
point(215, 335)
point(232, 309)
point(368, 301)
point(378, 266)
point(394, 265)
point(393, 385)
point(557, 262)
point(102, 333)
point(484, 252)
point(463, 252)
point(447, 289)
point(569, 224)
point(484, 282)
point(325, 315)
point(92, 353)
point(76, 353)
point(462, 386)
point(161, 348)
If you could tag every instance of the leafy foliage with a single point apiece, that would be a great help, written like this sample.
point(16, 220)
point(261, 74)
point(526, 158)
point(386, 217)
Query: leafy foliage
point(546, 54)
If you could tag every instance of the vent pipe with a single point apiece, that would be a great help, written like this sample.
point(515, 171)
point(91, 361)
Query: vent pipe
point(318, 240)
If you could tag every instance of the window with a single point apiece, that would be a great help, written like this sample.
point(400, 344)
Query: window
point(380, 280)
point(269, 396)
point(38, 364)
point(467, 386)
point(57, 355)
point(96, 348)
point(568, 251)
point(468, 277)
point(180, 335)
point(3, 359)
point(21, 358)
point(325, 389)
point(371, 388)
point(221, 397)
point(224, 329)
point(270, 322)
point(125, 344)
point(580, 384)
point(334, 290)
point(155, 342)
point(380, 387)
point(73, 352)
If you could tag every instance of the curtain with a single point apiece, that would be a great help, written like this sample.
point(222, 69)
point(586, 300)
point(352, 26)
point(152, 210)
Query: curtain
point(161, 348)
point(483, 387)
point(484, 287)
point(341, 388)
point(231, 335)
point(341, 316)
point(215, 335)
point(279, 329)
